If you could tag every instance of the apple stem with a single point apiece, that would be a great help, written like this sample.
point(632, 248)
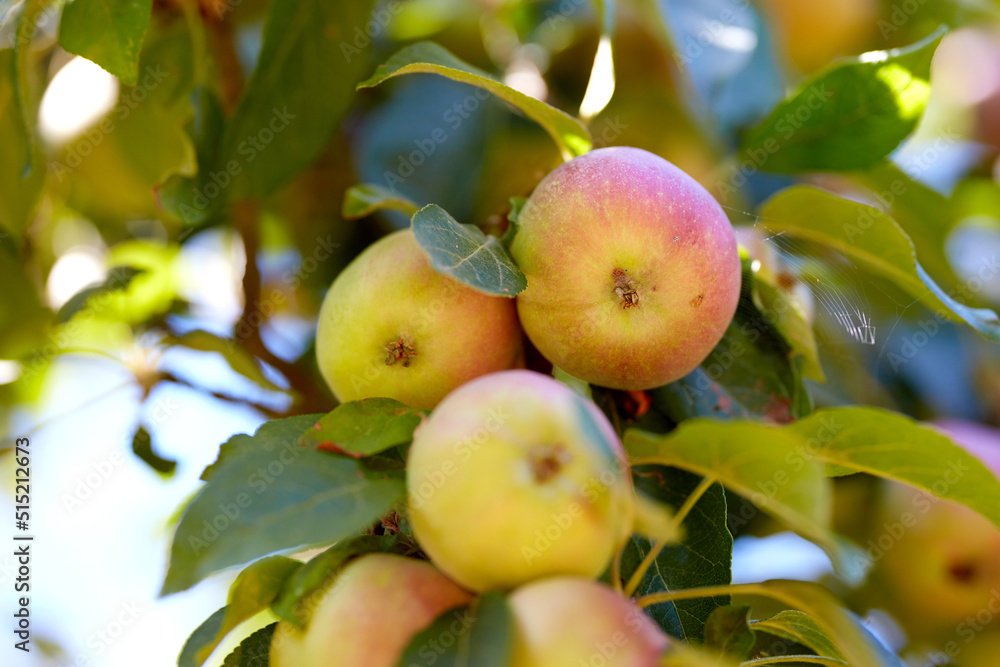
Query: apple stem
point(616, 570)
point(685, 509)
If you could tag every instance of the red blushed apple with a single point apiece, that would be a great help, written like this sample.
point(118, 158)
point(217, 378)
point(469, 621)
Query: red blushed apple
point(392, 326)
point(633, 269)
point(568, 622)
point(515, 477)
point(369, 615)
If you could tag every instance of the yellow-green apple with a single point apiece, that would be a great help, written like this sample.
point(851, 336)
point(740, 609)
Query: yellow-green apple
point(515, 477)
point(633, 270)
point(939, 561)
point(570, 621)
point(368, 615)
point(392, 326)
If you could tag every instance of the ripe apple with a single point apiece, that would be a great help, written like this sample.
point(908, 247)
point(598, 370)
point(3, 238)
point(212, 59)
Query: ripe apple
point(940, 561)
point(392, 326)
point(369, 615)
point(571, 621)
point(514, 477)
point(633, 269)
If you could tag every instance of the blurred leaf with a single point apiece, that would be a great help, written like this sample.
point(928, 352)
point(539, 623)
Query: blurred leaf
point(601, 86)
point(291, 604)
point(732, 86)
point(238, 358)
point(485, 639)
point(107, 32)
point(253, 591)
point(858, 647)
point(265, 494)
point(254, 651)
point(428, 57)
point(685, 655)
point(366, 427)
point(886, 444)
point(466, 254)
point(703, 557)
point(24, 319)
point(872, 238)
point(849, 116)
point(363, 200)
point(142, 446)
point(118, 278)
point(303, 84)
point(728, 631)
point(766, 465)
point(20, 191)
point(801, 629)
point(574, 383)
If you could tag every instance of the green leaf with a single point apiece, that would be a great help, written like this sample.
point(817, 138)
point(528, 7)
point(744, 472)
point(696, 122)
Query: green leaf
point(849, 116)
point(872, 238)
point(857, 646)
point(728, 631)
point(750, 373)
point(292, 604)
point(767, 465)
point(254, 651)
point(208, 634)
point(302, 86)
point(363, 200)
point(118, 279)
point(925, 215)
point(142, 446)
point(366, 427)
point(572, 136)
point(702, 558)
point(20, 192)
point(107, 32)
point(235, 355)
point(466, 254)
point(252, 592)
point(885, 444)
point(480, 635)
point(802, 629)
point(576, 384)
point(266, 494)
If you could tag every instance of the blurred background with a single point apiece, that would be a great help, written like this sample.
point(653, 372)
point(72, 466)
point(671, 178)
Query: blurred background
point(142, 323)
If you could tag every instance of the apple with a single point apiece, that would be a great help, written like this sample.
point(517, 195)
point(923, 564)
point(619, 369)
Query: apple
point(391, 326)
point(369, 615)
point(814, 33)
point(571, 621)
point(515, 477)
point(940, 561)
point(633, 269)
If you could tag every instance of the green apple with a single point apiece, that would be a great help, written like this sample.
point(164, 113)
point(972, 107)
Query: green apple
point(369, 615)
point(514, 477)
point(633, 269)
point(569, 622)
point(938, 562)
point(392, 326)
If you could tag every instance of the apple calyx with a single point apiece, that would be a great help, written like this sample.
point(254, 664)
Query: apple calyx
point(625, 288)
point(400, 351)
point(547, 461)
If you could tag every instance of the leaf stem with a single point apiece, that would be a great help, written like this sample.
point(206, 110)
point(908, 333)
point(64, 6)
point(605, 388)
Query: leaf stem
point(685, 509)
